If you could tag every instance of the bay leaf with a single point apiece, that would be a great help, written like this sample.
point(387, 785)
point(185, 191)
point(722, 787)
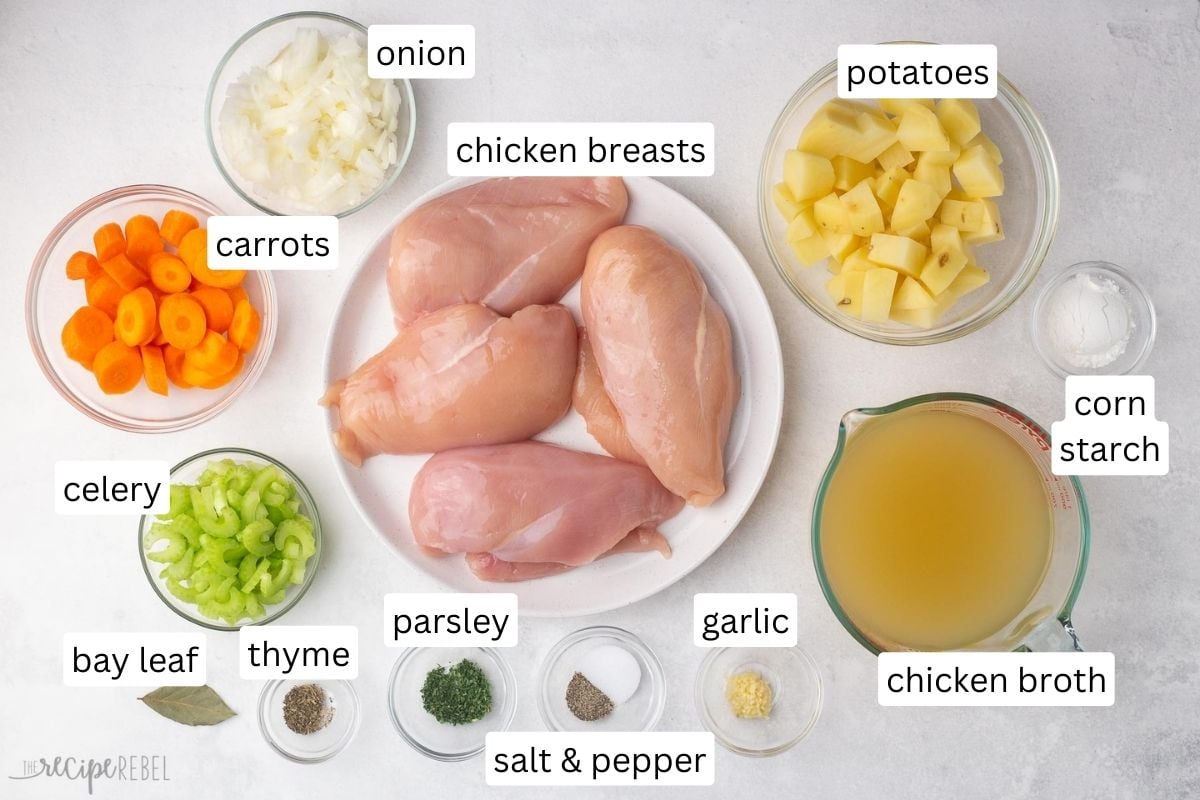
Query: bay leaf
point(189, 705)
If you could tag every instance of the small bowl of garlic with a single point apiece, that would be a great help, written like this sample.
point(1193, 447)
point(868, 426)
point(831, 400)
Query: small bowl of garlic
point(294, 124)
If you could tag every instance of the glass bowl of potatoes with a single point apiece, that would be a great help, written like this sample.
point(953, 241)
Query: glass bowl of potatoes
point(907, 221)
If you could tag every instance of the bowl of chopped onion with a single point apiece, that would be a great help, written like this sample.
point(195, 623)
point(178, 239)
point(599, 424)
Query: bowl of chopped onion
point(294, 124)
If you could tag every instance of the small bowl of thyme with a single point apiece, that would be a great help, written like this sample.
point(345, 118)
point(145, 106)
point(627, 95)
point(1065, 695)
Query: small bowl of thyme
point(444, 701)
point(308, 721)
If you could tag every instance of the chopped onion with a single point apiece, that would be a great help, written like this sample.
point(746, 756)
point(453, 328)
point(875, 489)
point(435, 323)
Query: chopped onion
point(310, 132)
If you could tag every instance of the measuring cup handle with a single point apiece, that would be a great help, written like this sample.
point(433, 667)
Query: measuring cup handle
point(1054, 636)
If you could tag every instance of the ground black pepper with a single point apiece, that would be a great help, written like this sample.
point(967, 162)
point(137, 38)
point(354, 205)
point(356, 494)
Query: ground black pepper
point(586, 701)
point(306, 709)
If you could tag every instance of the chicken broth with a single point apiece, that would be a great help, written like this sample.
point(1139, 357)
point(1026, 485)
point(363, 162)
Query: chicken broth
point(935, 530)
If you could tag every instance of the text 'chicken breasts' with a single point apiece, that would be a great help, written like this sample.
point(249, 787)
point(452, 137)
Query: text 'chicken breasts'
point(460, 376)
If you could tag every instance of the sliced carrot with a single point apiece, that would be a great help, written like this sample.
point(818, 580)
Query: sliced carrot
point(169, 273)
point(206, 380)
point(182, 321)
point(214, 355)
point(142, 239)
point(237, 294)
point(175, 224)
point(124, 272)
point(109, 241)
point(87, 331)
point(104, 293)
point(194, 252)
point(245, 326)
point(155, 368)
point(83, 264)
point(173, 363)
point(118, 368)
point(136, 315)
point(218, 308)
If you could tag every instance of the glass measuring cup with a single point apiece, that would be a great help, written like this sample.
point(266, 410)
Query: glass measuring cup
point(1045, 621)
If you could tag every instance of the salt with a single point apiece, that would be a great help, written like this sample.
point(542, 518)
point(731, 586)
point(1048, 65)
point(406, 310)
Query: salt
point(612, 670)
point(1089, 321)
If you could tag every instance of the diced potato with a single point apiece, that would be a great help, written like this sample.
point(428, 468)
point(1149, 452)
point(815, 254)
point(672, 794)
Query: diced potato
point(898, 252)
point(858, 261)
point(919, 317)
point(847, 172)
point(919, 129)
point(895, 156)
point(966, 215)
point(863, 210)
point(887, 185)
point(897, 105)
point(802, 226)
point(970, 279)
point(912, 295)
point(809, 251)
point(946, 259)
point(978, 174)
point(934, 174)
point(840, 245)
point(990, 230)
point(831, 215)
point(879, 285)
point(918, 232)
point(959, 118)
point(876, 133)
point(916, 202)
point(807, 176)
point(987, 144)
point(832, 131)
point(788, 206)
point(846, 291)
point(944, 158)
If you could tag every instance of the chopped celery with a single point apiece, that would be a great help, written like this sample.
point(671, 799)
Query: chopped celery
point(233, 542)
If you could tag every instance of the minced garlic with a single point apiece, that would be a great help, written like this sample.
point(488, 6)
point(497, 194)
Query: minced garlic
point(749, 695)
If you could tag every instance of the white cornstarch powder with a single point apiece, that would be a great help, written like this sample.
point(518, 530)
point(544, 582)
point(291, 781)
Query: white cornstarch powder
point(1089, 321)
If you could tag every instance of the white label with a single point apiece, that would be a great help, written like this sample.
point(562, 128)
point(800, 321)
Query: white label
point(744, 620)
point(420, 51)
point(476, 619)
point(996, 679)
point(301, 652)
point(267, 243)
point(580, 148)
point(653, 758)
point(134, 659)
point(916, 70)
point(111, 488)
point(1110, 428)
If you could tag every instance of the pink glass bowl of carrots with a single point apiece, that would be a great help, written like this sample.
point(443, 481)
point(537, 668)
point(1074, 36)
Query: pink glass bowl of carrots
point(128, 322)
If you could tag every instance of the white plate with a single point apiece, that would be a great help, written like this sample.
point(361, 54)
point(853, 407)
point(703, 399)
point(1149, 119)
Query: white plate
point(379, 489)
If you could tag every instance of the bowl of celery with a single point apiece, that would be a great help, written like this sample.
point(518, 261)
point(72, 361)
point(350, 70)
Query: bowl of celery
point(240, 543)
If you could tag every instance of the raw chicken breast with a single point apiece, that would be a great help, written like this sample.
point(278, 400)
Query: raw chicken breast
point(597, 409)
point(487, 567)
point(463, 375)
point(505, 242)
point(536, 503)
point(664, 351)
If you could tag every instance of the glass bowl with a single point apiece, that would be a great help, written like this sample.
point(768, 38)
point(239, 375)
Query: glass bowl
point(312, 748)
point(420, 729)
point(796, 691)
point(1141, 315)
point(51, 298)
point(639, 713)
point(187, 471)
point(1028, 209)
point(256, 48)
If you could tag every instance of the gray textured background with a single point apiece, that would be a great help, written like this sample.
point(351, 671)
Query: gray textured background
point(102, 96)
